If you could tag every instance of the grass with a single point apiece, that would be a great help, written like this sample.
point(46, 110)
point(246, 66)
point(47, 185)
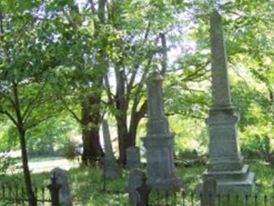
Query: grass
point(87, 184)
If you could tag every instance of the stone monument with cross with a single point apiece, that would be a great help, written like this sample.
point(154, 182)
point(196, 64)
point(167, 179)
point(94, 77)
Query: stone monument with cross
point(226, 163)
point(159, 141)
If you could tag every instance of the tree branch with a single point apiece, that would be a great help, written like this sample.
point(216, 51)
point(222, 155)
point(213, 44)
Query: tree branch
point(92, 7)
point(74, 115)
point(31, 104)
point(34, 124)
point(108, 90)
point(9, 115)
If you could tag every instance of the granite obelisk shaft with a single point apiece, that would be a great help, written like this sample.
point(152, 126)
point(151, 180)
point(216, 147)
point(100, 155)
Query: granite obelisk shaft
point(220, 82)
point(226, 163)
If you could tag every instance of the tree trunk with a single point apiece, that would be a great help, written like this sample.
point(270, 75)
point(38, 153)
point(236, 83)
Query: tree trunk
point(127, 137)
point(22, 137)
point(121, 114)
point(31, 197)
point(91, 108)
point(92, 149)
point(136, 116)
point(122, 139)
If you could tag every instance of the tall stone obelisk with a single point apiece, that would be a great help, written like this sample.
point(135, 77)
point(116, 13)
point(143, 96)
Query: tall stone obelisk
point(159, 141)
point(226, 163)
point(110, 166)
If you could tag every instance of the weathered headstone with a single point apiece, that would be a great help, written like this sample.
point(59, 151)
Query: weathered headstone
point(138, 191)
point(159, 141)
point(133, 158)
point(209, 192)
point(226, 163)
point(54, 189)
point(110, 166)
point(64, 191)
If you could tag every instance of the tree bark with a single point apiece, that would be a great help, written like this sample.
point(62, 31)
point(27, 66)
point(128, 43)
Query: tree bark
point(136, 117)
point(127, 137)
point(91, 107)
point(31, 197)
point(22, 137)
point(121, 114)
point(122, 139)
point(92, 149)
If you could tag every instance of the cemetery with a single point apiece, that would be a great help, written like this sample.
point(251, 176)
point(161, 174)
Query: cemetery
point(136, 103)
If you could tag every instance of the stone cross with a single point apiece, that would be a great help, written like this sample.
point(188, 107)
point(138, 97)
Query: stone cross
point(110, 166)
point(61, 179)
point(159, 141)
point(226, 163)
point(138, 191)
point(133, 158)
point(209, 192)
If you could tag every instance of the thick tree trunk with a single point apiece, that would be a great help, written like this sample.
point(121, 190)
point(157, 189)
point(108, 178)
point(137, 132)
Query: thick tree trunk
point(121, 115)
point(91, 109)
point(122, 139)
point(31, 197)
point(92, 149)
point(22, 137)
point(127, 137)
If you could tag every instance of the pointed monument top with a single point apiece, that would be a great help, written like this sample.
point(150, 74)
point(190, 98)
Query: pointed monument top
point(220, 83)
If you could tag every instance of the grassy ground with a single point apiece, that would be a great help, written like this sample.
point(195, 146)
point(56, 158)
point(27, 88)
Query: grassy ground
point(87, 183)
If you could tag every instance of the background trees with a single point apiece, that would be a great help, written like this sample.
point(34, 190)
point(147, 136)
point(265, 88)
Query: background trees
point(25, 98)
point(90, 58)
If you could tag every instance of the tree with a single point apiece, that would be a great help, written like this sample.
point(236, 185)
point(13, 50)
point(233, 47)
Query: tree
point(82, 43)
point(24, 71)
point(138, 46)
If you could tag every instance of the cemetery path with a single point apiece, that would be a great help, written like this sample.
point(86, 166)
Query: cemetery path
point(46, 165)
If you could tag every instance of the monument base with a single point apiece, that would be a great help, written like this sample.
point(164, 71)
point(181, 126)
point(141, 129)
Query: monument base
point(233, 182)
point(161, 169)
point(111, 170)
point(171, 184)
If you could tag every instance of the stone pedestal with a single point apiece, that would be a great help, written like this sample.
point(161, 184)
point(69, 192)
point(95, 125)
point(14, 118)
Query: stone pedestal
point(226, 163)
point(133, 158)
point(161, 171)
point(159, 142)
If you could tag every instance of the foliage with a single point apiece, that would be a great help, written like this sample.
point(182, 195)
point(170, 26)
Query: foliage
point(190, 136)
point(71, 149)
point(54, 55)
point(50, 137)
point(6, 163)
point(90, 181)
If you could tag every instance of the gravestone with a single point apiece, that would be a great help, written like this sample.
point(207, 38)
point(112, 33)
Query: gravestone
point(159, 141)
point(110, 166)
point(133, 158)
point(54, 189)
point(138, 191)
point(226, 163)
point(61, 179)
point(209, 192)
